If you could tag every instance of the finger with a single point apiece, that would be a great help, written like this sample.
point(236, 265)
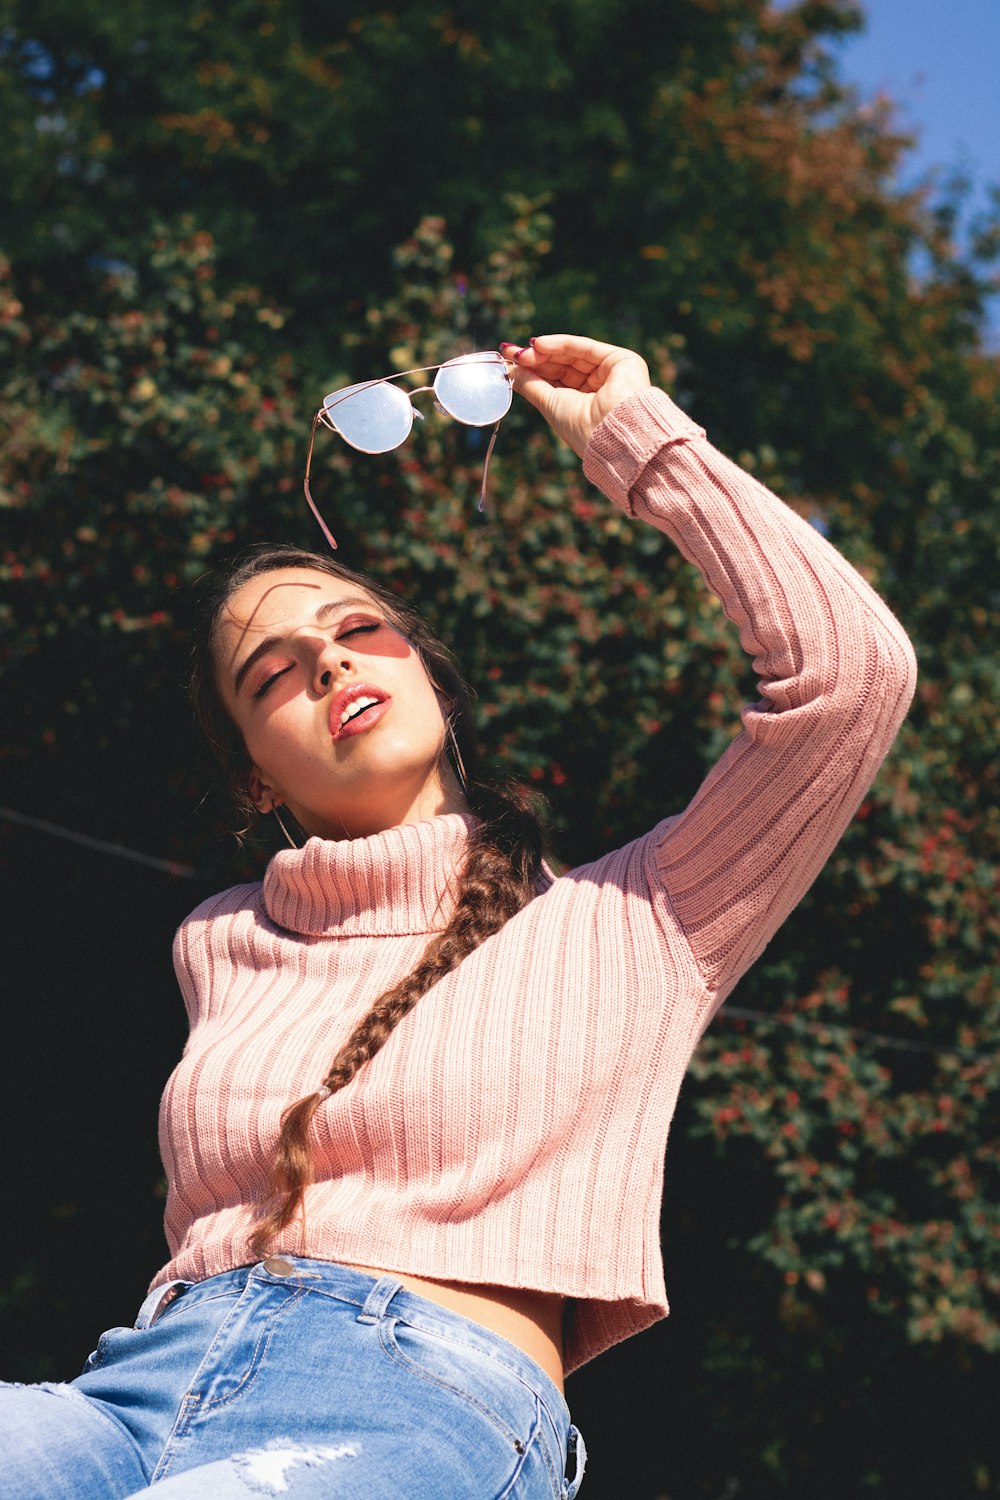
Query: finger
point(560, 366)
point(572, 349)
point(581, 375)
point(558, 377)
point(533, 387)
point(584, 365)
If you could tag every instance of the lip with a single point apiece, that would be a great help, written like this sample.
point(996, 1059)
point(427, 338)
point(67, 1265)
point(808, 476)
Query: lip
point(368, 717)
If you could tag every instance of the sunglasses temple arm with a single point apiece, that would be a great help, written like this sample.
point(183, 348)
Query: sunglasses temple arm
point(486, 466)
point(312, 504)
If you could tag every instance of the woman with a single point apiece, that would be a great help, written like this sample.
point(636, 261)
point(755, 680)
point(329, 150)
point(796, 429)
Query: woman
point(415, 1142)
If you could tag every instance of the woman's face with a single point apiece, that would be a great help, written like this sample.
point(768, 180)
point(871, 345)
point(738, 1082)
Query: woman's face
point(337, 713)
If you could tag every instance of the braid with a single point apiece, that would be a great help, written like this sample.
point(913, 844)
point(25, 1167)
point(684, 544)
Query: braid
point(497, 880)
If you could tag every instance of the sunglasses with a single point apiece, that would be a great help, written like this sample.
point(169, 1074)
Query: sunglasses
point(377, 416)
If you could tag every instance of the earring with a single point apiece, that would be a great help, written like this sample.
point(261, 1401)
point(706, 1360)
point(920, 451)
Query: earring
point(295, 834)
point(455, 757)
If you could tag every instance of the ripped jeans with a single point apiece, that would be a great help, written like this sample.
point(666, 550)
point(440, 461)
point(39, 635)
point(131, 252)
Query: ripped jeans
point(304, 1380)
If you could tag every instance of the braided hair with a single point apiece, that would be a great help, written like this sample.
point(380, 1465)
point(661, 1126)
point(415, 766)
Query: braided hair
point(497, 879)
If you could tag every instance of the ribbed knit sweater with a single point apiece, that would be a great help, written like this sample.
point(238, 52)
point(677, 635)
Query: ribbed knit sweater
point(512, 1130)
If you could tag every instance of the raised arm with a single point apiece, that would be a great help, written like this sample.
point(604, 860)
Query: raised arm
point(836, 669)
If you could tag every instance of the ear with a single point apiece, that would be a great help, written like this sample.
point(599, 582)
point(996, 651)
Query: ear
point(263, 796)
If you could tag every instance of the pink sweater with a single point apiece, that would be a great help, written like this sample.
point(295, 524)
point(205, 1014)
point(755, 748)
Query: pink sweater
point(512, 1131)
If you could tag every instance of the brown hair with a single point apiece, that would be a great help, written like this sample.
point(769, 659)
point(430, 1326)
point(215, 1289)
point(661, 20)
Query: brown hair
point(497, 879)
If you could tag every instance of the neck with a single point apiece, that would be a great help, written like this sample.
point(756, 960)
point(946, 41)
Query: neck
point(369, 816)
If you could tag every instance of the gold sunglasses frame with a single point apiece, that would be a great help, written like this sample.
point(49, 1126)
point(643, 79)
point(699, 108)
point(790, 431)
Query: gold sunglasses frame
point(323, 416)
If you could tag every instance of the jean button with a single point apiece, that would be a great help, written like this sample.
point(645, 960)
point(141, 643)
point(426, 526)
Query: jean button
point(278, 1266)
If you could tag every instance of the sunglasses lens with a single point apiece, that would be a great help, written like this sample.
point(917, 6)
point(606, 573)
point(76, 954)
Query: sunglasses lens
point(474, 389)
point(372, 417)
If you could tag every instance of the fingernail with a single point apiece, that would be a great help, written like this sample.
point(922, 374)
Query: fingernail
point(517, 348)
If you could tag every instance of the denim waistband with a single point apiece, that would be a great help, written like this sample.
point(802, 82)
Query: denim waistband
point(375, 1297)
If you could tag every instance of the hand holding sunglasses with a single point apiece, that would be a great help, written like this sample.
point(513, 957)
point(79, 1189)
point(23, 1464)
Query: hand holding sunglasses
point(575, 382)
point(377, 416)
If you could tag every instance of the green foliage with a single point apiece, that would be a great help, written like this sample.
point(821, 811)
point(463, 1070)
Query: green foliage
point(884, 1175)
point(143, 429)
point(198, 211)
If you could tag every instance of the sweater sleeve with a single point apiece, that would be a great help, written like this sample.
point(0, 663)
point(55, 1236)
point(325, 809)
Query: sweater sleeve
point(836, 676)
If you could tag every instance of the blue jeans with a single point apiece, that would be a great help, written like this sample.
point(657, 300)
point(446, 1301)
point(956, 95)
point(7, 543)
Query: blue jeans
point(304, 1380)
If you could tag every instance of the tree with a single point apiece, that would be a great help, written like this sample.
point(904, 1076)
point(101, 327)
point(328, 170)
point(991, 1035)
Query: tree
point(721, 198)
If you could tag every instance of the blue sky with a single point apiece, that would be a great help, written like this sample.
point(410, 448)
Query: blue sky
point(940, 60)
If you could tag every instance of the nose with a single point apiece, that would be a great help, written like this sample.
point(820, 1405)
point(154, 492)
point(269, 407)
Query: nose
point(332, 665)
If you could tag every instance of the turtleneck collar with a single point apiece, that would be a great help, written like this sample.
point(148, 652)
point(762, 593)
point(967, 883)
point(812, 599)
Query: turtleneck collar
point(397, 882)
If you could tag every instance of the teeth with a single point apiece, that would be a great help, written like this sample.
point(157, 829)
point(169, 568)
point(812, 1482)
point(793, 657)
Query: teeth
point(353, 709)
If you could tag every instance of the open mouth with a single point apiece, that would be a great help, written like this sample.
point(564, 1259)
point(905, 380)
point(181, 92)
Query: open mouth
point(357, 709)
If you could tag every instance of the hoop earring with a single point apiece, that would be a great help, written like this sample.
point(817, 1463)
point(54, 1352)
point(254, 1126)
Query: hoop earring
point(455, 757)
point(295, 834)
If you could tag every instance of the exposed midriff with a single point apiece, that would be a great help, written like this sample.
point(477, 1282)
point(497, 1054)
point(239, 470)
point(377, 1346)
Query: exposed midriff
point(531, 1320)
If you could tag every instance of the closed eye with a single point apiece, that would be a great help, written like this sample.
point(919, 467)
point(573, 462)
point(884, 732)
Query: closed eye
point(359, 630)
point(269, 681)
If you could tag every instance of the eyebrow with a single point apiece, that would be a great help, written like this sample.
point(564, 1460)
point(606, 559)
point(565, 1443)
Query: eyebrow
point(331, 607)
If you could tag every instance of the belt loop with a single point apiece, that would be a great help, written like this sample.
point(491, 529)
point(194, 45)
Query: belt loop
point(378, 1299)
point(576, 1449)
point(157, 1301)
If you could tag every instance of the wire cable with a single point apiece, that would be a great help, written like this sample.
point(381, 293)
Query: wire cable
point(727, 1012)
point(102, 846)
point(878, 1039)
